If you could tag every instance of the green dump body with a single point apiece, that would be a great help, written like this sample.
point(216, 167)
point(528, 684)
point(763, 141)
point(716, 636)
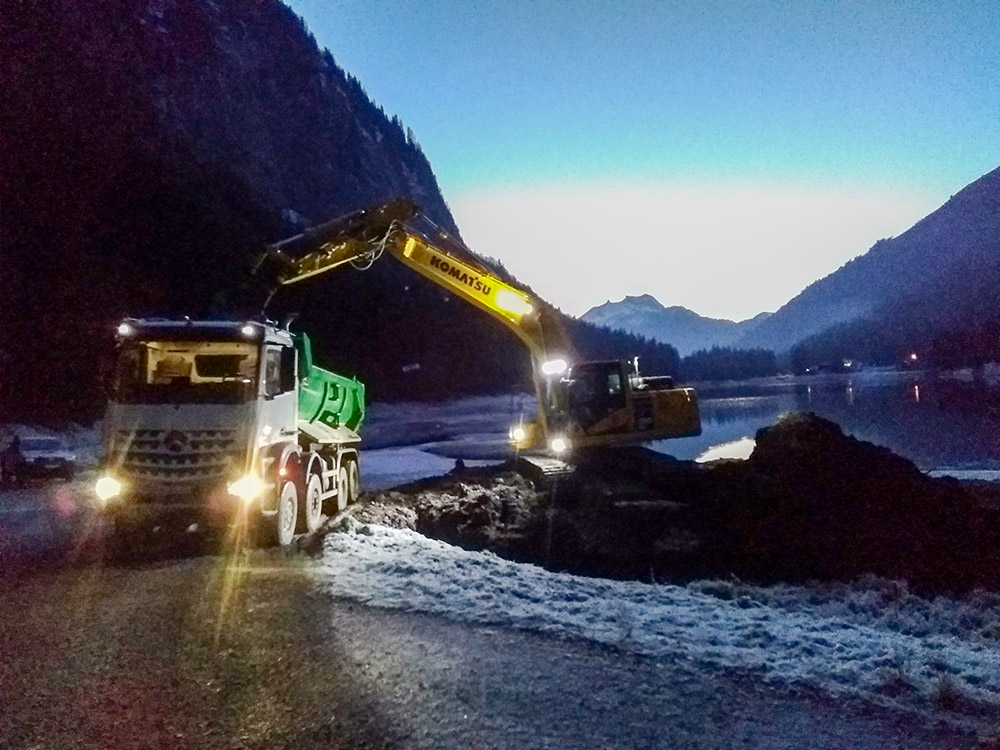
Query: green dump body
point(326, 397)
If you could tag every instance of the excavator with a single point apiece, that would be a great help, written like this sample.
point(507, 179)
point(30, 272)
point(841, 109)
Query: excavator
point(581, 405)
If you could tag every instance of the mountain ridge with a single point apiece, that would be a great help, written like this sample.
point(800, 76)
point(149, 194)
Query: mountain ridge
point(682, 328)
point(963, 230)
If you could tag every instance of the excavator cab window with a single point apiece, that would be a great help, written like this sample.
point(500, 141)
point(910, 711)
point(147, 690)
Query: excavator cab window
point(596, 390)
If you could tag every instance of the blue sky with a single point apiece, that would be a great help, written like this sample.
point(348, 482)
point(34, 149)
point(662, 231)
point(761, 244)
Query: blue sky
point(848, 121)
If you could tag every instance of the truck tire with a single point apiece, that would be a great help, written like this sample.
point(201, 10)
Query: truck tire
point(313, 503)
point(288, 513)
point(353, 481)
point(343, 487)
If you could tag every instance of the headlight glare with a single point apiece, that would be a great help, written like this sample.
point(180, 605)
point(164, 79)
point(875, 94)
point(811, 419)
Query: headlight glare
point(106, 488)
point(247, 487)
point(559, 445)
point(554, 367)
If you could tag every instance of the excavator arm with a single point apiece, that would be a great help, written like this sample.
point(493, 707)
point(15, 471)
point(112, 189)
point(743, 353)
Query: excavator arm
point(359, 239)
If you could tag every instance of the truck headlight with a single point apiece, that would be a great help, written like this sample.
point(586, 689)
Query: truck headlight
point(518, 434)
point(107, 487)
point(247, 488)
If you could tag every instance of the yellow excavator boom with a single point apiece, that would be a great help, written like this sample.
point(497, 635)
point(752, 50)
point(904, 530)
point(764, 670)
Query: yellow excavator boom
point(592, 404)
point(363, 237)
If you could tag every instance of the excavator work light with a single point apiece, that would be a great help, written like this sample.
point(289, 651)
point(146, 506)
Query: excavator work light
point(507, 301)
point(554, 367)
point(247, 330)
point(124, 329)
point(559, 445)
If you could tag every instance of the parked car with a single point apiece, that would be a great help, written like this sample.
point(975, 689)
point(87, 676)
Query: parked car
point(37, 456)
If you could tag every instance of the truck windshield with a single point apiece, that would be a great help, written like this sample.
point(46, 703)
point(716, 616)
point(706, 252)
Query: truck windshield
point(185, 372)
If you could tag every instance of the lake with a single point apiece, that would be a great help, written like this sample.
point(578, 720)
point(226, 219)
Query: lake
point(939, 420)
point(944, 422)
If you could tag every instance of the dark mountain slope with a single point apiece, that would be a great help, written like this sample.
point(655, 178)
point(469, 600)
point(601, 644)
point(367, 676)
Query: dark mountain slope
point(150, 148)
point(959, 240)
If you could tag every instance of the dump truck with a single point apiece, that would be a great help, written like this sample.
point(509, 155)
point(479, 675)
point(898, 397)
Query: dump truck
point(227, 424)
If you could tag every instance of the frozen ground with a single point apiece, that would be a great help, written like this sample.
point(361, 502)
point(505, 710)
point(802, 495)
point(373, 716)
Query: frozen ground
point(388, 467)
point(407, 441)
point(871, 639)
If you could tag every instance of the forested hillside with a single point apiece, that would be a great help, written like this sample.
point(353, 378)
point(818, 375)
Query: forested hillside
point(150, 149)
point(939, 291)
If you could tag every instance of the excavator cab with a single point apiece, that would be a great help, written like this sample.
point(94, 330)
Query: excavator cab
point(596, 390)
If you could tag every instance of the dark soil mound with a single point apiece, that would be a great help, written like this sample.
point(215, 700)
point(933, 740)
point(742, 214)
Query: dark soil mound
point(810, 503)
point(813, 503)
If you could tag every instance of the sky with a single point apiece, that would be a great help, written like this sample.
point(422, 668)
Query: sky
point(717, 155)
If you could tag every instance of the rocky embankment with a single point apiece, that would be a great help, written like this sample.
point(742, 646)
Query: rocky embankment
point(810, 503)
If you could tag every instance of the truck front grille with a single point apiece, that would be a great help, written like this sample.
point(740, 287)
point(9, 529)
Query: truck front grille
point(177, 456)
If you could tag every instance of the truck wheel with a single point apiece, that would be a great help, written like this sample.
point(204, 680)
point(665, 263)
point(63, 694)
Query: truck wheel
point(343, 488)
point(288, 513)
point(314, 503)
point(353, 481)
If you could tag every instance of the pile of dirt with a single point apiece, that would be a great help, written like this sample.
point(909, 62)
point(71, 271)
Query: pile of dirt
point(496, 509)
point(813, 503)
point(810, 503)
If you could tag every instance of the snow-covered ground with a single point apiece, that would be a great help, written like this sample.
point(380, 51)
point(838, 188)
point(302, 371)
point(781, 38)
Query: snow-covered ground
point(871, 639)
point(406, 441)
point(734, 449)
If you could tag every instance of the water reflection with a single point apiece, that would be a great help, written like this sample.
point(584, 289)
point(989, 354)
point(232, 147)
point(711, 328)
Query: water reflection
point(936, 420)
point(740, 449)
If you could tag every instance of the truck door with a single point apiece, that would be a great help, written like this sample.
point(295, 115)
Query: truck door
point(280, 398)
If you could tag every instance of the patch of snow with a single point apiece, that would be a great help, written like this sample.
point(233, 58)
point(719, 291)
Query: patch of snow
point(871, 639)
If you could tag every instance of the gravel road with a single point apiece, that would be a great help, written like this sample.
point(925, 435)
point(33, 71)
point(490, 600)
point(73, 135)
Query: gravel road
point(210, 652)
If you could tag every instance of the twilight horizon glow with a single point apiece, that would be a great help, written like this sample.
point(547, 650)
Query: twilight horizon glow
point(743, 150)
